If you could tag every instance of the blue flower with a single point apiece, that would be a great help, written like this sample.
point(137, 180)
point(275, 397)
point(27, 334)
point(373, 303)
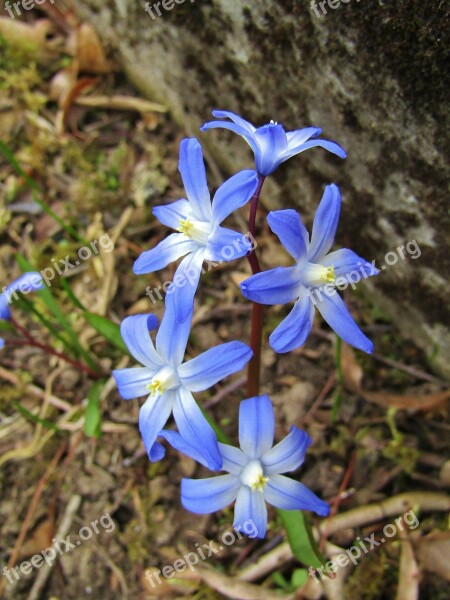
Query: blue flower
point(254, 471)
point(169, 383)
point(271, 144)
point(197, 221)
point(28, 282)
point(312, 281)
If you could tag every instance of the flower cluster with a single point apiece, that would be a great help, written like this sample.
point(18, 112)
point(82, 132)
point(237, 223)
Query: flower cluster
point(255, 471)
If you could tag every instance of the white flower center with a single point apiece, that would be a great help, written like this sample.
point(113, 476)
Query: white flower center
point(253, 475)
point(314, 275)
point(198, 231)
point(165, 379)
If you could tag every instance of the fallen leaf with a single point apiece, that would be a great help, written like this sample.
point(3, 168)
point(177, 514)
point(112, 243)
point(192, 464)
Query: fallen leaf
point(88, 51)
point(407, 401)
point(351, 370)
point(40, 539)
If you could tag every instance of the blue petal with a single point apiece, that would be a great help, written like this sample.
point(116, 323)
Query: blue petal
point(195, 429)
point(157, 452)
point(204, 496)
point(256, 426)
point(250, 507)
point(276, 286)
point(26, 283)
point(172, 214)
point(132, 383)
point(215, 364)
point(335, 313)
point(167, 251)
point(226, 114)
point(234, 460)
point(288, 454)
point(288, 494)
point(135, 334)
point(225, 245)
point(349, 266)
point(287, 225)
point(173, 335)
point(294, 330)
point(233, 194)
point(325, 223)
point(153, 416)
point(300, 136)
point(193, 173)
point(330, 146)
point(180, 444)
point(248, 136)
point(2, 342)
point(272, 142)
point(185, 283)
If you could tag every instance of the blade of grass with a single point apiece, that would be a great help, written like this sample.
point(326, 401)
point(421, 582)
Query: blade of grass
point(93, 413)
point(33, 418)
point(9, 155)
point(301, 539)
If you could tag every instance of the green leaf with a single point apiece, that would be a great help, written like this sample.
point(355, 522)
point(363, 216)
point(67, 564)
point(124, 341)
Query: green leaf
point(93, 413)
point(33, 418)
point(301, 540)
point(106, 328)
point(299, 578)
point(66, 287)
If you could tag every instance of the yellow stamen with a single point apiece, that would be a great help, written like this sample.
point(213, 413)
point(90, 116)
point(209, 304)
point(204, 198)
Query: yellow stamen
point(185, 226)
point(329, 276)
point(156, 387)
point(260, 483)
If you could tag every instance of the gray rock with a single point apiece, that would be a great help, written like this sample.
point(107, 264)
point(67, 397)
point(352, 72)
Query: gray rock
point(373, 75)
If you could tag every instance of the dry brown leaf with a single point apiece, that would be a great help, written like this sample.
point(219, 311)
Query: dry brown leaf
point(351, 370)
point(432, 552)
point(408, 401)
point(40, 539)
point(88, 51)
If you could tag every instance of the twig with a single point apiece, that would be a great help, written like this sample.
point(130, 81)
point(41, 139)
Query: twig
point(41, 579)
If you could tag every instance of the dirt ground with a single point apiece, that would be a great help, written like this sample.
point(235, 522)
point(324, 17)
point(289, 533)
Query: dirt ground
point(102, 157)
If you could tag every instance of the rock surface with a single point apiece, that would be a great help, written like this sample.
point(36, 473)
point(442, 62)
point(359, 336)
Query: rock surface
point(372, 74)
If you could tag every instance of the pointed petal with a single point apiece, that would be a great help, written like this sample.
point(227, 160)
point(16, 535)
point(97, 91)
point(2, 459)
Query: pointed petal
point(256, 426)
point(276, 286)
point(132, 383)
point(135, 334)
point(335, 313)
point(152, 417)
point(325, 223)
point(272, 142)
point(225, 245)
point(26, 283)
point(179, 443)
point(233, 194)
point(204, 496)
point(294, 330)
point(157, 452)
point(185, 283)
point(2, 342)
point(234, 460)
point(224, 114)
point(285, 493)
point(330, 146)
point(193, 173)
point(173, 335)
point(215, 364)
point(300, 136)
point(287, 455)
point(248, 136)
point(348, 266)
point(287, 225)
point(167, 251)
point(171, 214)
point(250, 507)
point(195, 429)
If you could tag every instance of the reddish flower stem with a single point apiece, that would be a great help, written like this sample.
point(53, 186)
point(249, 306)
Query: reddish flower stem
point(30, 341)
point(254, 366)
